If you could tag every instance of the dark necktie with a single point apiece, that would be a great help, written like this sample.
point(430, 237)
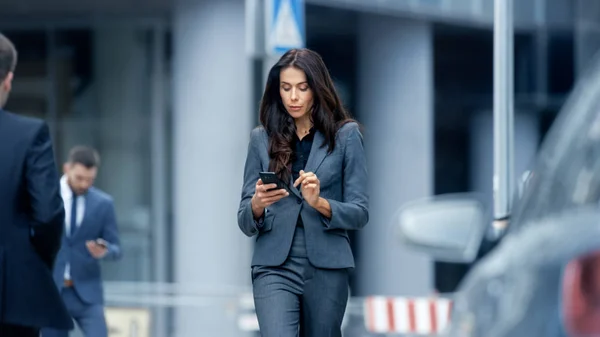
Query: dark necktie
point(73, 215)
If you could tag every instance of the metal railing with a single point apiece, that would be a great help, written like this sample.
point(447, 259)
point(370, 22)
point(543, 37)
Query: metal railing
point(184, 310)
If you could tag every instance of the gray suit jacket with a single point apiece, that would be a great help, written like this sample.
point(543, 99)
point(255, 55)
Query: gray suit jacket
point(343, 177)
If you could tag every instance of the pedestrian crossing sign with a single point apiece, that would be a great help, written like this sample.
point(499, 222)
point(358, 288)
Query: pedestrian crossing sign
point(285, 26)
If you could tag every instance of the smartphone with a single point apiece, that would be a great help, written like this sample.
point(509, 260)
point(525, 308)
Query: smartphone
point(271, 178)
point(102, 243)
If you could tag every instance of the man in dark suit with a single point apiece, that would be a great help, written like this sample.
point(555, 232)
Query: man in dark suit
point(31, 218)
point(90, 235)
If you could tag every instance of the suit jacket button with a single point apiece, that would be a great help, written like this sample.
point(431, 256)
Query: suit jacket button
point(299, 201)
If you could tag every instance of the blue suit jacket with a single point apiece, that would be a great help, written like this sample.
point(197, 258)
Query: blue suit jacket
point(99, 221)
point(343, 177)
point(31, 224)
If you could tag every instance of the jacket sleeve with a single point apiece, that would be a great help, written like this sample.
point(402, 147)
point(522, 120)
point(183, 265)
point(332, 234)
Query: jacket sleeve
point(246, 221)
point(43, 189)
point(110, 233)
point(352, 212)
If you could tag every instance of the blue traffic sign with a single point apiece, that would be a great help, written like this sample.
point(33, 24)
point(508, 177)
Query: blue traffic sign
point(285, 26)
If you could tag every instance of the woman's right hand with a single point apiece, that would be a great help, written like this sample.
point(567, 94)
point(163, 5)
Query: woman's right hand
point(264, 198)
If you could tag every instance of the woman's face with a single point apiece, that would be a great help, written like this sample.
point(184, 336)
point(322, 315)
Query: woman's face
point(295, 92)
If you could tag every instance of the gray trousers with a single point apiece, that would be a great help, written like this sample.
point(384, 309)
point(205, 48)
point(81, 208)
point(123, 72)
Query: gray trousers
point(298, 299)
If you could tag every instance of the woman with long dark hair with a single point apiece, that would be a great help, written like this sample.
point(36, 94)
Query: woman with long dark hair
point(302, 254)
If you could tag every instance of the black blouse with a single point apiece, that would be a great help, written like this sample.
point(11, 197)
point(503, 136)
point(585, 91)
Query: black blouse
point(300, 158)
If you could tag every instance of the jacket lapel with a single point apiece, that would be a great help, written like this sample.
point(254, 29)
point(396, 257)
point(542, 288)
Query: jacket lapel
point(317, 153)
point(266, 159)
point(315, 158)
point(294, 190)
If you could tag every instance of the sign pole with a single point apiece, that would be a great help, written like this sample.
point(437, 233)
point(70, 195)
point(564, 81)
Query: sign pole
point(284, 29)
point(503, 182)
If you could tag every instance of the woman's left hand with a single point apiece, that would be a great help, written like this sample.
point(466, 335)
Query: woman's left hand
point(311, 187)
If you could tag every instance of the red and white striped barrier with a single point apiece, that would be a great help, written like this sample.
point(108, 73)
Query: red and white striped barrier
point(414, 316)
point(417, 316)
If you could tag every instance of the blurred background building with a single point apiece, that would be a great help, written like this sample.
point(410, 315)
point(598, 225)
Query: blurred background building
point(168, 94)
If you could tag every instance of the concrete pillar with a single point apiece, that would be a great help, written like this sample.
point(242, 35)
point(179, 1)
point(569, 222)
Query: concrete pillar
point(121, 90)
point(395, 100)
point(211, 127)
point(527, 139)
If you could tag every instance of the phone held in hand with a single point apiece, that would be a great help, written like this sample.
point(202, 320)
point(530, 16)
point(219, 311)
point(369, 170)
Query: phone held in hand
point(271, 178)
point(102, 242)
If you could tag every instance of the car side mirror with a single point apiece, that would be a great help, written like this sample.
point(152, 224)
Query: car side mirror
point(447, 228)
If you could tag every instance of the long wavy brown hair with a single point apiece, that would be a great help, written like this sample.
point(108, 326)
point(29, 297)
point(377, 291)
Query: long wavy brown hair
point(327, 114)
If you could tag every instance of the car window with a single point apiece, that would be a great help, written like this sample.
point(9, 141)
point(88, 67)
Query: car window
point(567, 172)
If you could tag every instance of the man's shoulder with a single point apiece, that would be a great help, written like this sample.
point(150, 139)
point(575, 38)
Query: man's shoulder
point(100, 195)
point(20, 121)
point(20, 131)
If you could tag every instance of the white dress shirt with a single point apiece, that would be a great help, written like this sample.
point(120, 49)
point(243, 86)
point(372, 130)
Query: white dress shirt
point(67, 196)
